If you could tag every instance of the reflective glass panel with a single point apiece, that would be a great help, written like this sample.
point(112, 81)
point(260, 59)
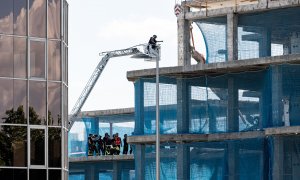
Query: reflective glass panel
point(37, 102)
point(37, 174)
point(65, 65)
point(37, 59)
point(54, 60)
point(54, 104)
point(54, 19)
point(6, 16)
point(54, 174)
point(65, 106)
point(54, 147)
point(37, 146)
point(20, 105)
point(20, 57)
point(14, 174)
point(20, 19)
point(6, 96)
point(6, 56)
point(13, 149)
point(37, 18)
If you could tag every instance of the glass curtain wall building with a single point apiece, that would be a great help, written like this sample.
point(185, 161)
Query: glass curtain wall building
point(33, 89)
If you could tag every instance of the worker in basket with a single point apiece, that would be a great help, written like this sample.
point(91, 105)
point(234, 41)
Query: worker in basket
point(152, 47)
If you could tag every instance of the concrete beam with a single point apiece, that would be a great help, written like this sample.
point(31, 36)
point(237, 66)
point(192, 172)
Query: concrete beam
point(102, 158)
point(221, 68)
point(177, 138)
point(187, 138)
point(262, 5)
point(98, 113)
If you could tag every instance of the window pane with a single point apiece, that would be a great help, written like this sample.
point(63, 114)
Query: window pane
point(54, 104)
point(37, 59)
point(37, 146)
point(65, 106)
point(54, 19)
point(6, 56)
point(20, 105)
point(20, 19)
point(20, 57)
point(54, 147)
point(54, 60)
point(54, 174)
point(65, 65)
point(37, 174)
point(37, 102)
point(37, 18)
point(6, 96)
point(13, 149)
point(14, 174)
point(6, 16)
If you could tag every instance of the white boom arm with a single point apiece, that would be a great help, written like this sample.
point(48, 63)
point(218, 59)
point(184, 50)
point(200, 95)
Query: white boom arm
point(95, 76)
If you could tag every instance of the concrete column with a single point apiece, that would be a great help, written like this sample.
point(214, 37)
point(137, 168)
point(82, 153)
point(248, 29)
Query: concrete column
point(265, 43)
point(110, 129)
point(139, 158)
point(233, 108)
point(183, 162)
point(233, 126)
point(139, 107)
point(277, 96)
point(232, 37)
point(182, 106)
point(278, 155)
point(184, 50)
point(117, 172)
point(233, 161)
point(91, 174)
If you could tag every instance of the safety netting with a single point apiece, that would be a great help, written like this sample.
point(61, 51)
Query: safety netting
point(102, 170)
point(234, 102)
point(259, 34)
point(273, 157)
point(78, 136)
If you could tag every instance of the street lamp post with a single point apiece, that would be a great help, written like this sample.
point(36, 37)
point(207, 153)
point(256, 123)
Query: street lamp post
point(157, 137)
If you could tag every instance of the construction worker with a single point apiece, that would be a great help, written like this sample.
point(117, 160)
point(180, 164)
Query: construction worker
point(125, 150)
point(118, 143)
point(152, 42)
point(152, 47)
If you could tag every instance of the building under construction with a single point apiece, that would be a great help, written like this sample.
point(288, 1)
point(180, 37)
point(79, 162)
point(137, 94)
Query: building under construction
point(234, 116)
point(237, 115)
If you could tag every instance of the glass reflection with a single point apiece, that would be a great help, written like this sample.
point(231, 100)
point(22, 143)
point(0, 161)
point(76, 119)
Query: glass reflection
point(37, 18)
point(6, 56)
point(54, 138)
point(14, 174)
point(19, 100)
point(37, 174)
point(6, 16)
point(37, 146)
point(54, 19)
point(54, 60)
point(37, 102)
point(37, 59)
point(13, 140)
point(20, 57)
point(6, 96)
point(54, 174)
point(20, 20)
point(54, 104)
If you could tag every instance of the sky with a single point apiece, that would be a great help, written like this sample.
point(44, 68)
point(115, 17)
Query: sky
point(96, 26)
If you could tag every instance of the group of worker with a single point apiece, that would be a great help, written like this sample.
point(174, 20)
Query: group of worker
point(107, 145)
